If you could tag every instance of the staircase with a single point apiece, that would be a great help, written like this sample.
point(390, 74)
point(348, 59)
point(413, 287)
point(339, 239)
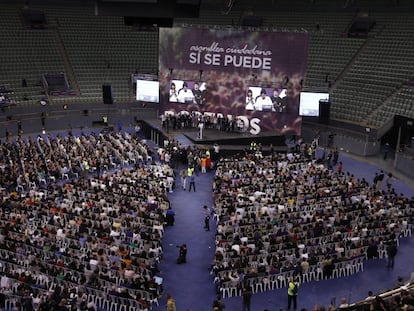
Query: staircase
point(352, 61)
point(68, 67)
point(386, 103)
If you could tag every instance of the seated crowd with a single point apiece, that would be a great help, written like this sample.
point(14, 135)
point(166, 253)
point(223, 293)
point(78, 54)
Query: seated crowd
point(29, 161)
point(82, 242)
point(287, 215)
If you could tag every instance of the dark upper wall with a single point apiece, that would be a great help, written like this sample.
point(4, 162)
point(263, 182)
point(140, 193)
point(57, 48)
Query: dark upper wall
point(264, 5)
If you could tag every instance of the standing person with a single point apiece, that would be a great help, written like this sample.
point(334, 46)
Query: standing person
point(335, 157)
point(216, 152)
point(105, 120)
point(388, 181)
point(247, 297)
point(293, 287)
point(328, 160)
point(184, 174)
point(192, 183)
point(340, 167)
point(98, 168)
point(170, 217)
point(170, 303)
point(190, 170)
point(386, 150)
point(208, 159)
point(137, 130)
point(206, 218)
point(203, 164)
point(391, 253)
point(182, 255)
point(86, 168)
point(379, 180)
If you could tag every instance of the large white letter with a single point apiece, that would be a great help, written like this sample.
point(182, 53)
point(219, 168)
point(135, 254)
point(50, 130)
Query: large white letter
point(194, 59)
point(267, 63)
point(254, 123)
point(207, 59)
point(228, 59)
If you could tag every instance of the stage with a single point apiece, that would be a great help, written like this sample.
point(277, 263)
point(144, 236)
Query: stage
point(152, 129)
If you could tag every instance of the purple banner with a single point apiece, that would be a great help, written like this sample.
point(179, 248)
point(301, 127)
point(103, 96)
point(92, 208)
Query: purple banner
point(228, 62)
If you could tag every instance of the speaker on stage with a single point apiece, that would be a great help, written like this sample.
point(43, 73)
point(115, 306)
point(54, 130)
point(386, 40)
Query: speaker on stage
point(324, 111)
point(107, 94)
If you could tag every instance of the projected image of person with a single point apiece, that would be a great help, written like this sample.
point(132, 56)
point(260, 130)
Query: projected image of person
point(263, 102)
point(249, 100)
point(278, 100)
point(198, 94)
point(185, 95)
point(173, 93)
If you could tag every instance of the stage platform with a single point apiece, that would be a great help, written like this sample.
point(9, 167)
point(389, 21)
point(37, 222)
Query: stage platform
point(226, 140)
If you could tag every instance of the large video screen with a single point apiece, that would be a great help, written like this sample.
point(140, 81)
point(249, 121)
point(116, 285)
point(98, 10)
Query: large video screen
point(148, 91)
point(187, 92)
point(266, 99)
point(230, 62)
point(309, 103)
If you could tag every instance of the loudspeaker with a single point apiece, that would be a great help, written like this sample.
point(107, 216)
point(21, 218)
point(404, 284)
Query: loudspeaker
point(252, 21)
point(324, 111)
point(107, 94)
point(149, 23)
point(86, 112)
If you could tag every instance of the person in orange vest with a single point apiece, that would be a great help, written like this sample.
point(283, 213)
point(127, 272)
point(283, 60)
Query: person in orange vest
point(203, 163)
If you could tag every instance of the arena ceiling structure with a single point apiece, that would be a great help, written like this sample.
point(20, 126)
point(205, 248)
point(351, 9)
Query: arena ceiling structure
point(191, 8)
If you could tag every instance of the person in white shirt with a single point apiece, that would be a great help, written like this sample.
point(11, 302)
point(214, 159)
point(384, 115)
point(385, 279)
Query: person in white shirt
point(249, 100)
point(170, 183)
point(173, 93)
point(129, 273)
point(167, 157)
point(263, 102)
point(60, 234)
point(343, 304)
point(185, 95)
